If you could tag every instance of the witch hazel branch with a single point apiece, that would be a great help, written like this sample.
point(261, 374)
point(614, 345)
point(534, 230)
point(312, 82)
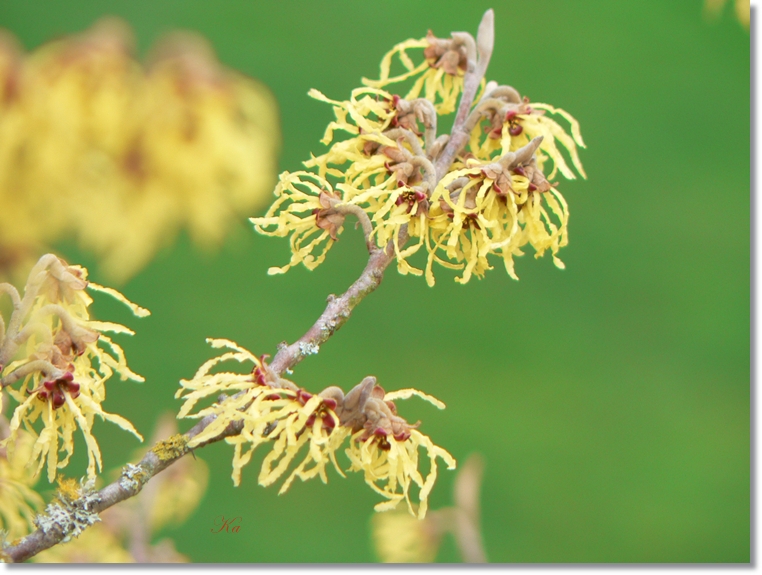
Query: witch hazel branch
point(483, 192)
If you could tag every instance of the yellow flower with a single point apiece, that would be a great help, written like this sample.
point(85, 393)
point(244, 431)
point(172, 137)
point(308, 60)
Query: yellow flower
point(368, 110)
point(391, 467)
point(386, 178)
point(273, 411)
point(304, 209)
point(19, 503)
point(64, 360)
point(512, 122)
point(386, 450)
point(495, 208)
point(467, 221)
point(438, 80)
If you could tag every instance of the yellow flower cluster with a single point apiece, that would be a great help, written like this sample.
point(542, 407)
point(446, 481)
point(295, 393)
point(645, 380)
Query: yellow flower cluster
point(95, 146)
point(62, 358)
point(299, 426)
point(494, 198)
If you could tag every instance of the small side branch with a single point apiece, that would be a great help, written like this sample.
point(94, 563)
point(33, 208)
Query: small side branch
point(365, 223)
point(38, 365)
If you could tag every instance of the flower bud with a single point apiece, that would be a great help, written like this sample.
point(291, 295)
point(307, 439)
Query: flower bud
point(330, 403)
point(58, 398)
point(329, 422)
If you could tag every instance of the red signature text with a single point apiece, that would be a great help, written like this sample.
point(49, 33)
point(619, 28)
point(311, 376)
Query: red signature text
point(227, 525)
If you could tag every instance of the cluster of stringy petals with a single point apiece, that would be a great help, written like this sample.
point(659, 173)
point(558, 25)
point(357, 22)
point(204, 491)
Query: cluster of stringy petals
point(303, 211)
point(304, 432)
point(494, 200)
point(503, 121)
point(385, 448)
point(496, 208)
point(270, 411)
point(56, 362)
point(438, 77)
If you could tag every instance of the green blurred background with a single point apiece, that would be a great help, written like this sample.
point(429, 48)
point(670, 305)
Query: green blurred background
point(610, 400)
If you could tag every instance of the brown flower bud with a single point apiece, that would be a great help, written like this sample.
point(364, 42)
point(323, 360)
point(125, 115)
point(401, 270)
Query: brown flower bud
point(450, 55)
point(329, 218)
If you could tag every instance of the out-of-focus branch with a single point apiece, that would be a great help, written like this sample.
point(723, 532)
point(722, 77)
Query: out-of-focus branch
point(466, 521)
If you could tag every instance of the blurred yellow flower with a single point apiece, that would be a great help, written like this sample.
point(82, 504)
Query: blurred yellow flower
point(399, 537)
point(713, 8)
point(19, 502)
point(63, 359)
point(97, 544)
point(94, 146)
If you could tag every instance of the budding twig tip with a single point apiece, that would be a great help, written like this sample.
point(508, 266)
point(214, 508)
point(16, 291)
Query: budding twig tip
point(485, 37)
